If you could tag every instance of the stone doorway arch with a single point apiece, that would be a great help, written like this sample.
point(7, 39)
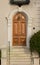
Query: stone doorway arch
point(19, 29)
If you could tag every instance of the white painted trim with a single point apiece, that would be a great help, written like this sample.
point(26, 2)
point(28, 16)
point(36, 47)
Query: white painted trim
point(13, 12)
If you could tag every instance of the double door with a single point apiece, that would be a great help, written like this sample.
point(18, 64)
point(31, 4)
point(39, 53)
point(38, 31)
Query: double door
point(19, 30)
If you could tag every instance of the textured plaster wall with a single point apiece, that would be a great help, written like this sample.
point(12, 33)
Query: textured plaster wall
point(33, 10)
point(5, 8)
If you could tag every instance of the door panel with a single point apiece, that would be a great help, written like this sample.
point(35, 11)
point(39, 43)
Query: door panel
point(22, 41)
point(15, 28)
point(15, 41)
point(23, 27)
point(19, 30)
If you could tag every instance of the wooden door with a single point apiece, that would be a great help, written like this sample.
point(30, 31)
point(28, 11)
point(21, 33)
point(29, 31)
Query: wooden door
point(19, 30)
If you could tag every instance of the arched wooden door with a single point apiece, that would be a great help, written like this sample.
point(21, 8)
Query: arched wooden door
point(19, 30)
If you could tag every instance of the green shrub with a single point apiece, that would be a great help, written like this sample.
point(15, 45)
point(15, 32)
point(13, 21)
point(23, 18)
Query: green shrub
point(35, 42)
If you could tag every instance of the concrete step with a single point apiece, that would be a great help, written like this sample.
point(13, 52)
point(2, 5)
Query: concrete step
point(25, 55)
point(19, 55)
point(21, 50)
point(20, 59)
point(21, 63)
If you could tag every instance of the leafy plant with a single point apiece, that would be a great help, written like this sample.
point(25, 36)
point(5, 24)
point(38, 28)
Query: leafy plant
point(35, 42)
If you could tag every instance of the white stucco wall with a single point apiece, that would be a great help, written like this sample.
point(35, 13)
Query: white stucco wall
point(5, 9)
point(32, 10)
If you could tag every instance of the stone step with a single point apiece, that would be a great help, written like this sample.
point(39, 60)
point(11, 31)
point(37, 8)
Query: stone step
point(21, 63)
point(22, 55)
point(19, 56)
point(20, 59)
point(19, 52)
point(15, 53)
point(22, 51)
point(19, 48)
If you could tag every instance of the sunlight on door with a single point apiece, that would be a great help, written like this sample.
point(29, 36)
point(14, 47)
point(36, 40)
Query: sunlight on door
point(19, 30)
